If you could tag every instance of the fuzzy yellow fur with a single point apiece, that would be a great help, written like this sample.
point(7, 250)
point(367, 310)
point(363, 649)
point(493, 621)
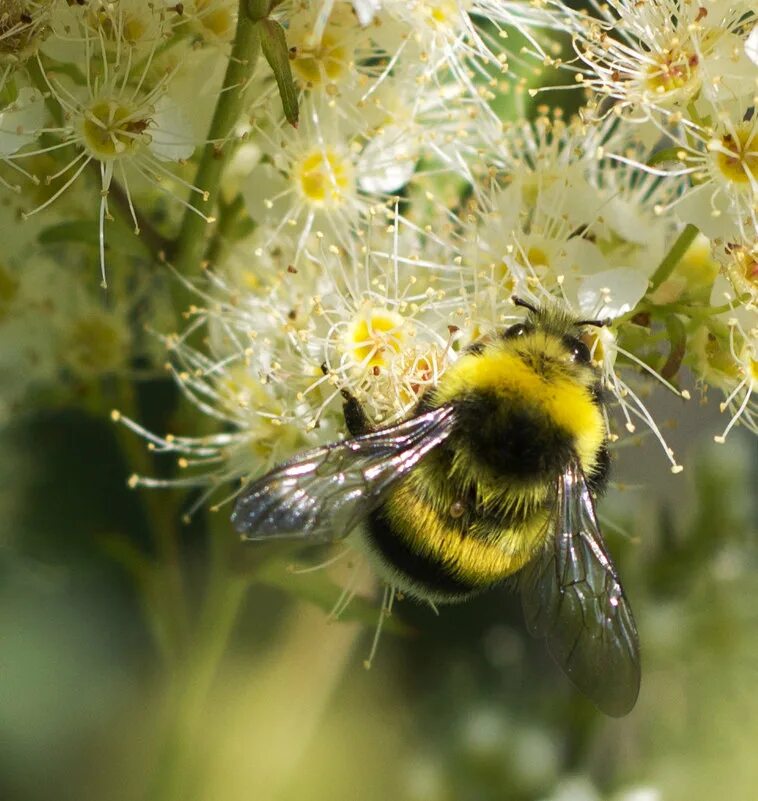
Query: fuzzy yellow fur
point(534, 371)
point(481, 554)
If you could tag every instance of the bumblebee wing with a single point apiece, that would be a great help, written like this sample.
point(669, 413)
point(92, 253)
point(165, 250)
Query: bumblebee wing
point(573, 598)
point(322, 494)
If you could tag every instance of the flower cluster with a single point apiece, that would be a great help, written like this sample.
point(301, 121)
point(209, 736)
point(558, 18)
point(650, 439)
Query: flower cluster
point(685, 74)
point(388, 177)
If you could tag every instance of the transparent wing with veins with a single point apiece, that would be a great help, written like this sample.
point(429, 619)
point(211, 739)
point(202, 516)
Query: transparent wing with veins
point(573, 598)
point(323, 493)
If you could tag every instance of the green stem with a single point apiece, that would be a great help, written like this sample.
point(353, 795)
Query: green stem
point(162, 517)
point(155, 243)
point(177, 773)
point(190, 242)
point(228, 217)
point(701, 314)
point(674, 256)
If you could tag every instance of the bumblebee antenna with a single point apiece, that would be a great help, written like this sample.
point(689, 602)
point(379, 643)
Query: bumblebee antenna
point(517, 301)
point(596, 323)
point(521, 302)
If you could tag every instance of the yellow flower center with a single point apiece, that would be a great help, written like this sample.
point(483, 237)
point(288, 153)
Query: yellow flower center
point(323, 177)
point(375, 337)
point(112, 130)
point(245, 389)
point(736, 156)
point(128, 26)
point(537, 257)
point(444, 14)
point(674, 70)
point(215, 17)
point(325, 62)
point(505, 279)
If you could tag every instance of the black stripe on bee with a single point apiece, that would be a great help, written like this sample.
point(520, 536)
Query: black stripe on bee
point(433, 575)
point(516, 443)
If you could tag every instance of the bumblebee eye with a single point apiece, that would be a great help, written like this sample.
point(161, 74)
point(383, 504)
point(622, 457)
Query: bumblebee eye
point(578, 350)
point(516, 331)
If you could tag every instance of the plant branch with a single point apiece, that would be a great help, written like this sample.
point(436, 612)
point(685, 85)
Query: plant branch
point(155, 242)
point(190, 242)
point(226, 590)
point(161, 514)
point(674, 256)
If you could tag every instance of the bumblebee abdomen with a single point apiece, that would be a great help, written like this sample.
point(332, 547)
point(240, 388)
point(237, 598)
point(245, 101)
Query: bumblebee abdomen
point(431, 540)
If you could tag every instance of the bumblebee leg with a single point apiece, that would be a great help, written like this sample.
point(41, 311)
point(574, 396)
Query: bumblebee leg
point(355, 418)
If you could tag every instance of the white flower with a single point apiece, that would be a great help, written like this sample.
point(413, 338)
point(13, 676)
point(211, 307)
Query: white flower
point(308, 181)
point(282, 342)
point(213, 21)
point(654, 57)
point(118, 120)
point(340, 56)
point(751, 45)
point(722, 159)
point(23, 27)
point(21, 121)
point(413, 120)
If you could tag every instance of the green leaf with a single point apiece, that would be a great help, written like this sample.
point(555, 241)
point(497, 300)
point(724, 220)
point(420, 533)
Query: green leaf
point(119, 237)
point(258, 9)
point(663, 155)
point(678, 340)
point(274, 47)
point(83, 232)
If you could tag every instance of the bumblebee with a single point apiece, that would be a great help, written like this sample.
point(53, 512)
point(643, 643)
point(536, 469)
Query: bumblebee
point(493, 475)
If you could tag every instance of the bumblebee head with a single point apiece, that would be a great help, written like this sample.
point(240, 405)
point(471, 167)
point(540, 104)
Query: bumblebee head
point(549, 340)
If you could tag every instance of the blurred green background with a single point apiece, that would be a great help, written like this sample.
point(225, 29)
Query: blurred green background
point(266, 698)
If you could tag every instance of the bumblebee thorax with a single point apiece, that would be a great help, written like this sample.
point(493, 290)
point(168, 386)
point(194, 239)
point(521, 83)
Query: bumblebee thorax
point(525, 407)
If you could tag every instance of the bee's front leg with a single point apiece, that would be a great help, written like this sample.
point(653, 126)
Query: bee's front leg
point(355, 418)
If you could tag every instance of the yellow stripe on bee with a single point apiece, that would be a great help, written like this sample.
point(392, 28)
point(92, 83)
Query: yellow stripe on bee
point(564, 399)
point(480, 554)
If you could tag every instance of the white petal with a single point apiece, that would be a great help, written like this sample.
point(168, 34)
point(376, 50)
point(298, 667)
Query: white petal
point(627, 218)
point(171, 132)
point(611, 293)
point(709, 211)
point(366, 9)
point(264, 183)
point(20, 121)
point(751, 45)
point(388, 161)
